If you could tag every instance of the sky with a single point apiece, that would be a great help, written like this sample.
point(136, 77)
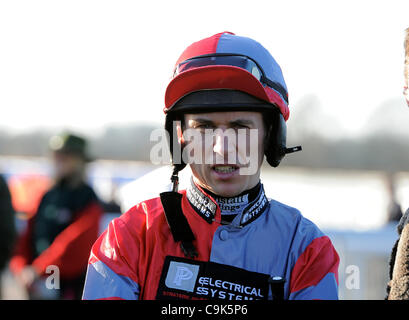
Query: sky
point(84, 65)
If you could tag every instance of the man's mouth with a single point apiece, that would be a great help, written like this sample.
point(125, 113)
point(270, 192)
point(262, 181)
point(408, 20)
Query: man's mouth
point(225, 168)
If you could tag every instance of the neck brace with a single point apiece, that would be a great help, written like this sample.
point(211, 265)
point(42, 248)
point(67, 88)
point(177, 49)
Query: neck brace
point(248, 205)
point(235, 205)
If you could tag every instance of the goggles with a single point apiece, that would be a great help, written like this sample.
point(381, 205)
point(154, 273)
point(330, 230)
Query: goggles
point(231, 59)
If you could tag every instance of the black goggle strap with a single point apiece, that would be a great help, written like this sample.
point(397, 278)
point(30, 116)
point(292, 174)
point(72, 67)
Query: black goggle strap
point(230, 59)
point(211, 59)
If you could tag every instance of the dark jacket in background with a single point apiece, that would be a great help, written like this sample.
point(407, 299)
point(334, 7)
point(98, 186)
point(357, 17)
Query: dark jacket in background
point(7, 224)
point(61, 233)
point(398, 286)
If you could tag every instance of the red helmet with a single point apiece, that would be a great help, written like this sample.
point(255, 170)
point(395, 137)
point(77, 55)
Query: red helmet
point(227, 72)
point(227, 61)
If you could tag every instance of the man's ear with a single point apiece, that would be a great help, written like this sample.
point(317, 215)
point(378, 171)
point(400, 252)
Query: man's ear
point(179, 133)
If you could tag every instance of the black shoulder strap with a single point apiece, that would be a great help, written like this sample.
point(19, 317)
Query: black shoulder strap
point(181, 231)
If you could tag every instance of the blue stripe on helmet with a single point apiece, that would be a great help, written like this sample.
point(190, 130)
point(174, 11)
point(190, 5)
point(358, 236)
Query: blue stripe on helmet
point(229, 43)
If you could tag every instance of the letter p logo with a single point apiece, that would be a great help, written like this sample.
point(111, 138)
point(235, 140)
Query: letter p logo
point(182, 273)
point(182, 276)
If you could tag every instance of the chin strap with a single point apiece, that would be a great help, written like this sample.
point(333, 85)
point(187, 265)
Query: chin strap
point(293, 149)
point(175, 181)
point(178, 224)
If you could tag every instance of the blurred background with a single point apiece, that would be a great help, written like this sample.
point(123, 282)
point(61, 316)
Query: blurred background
point(99, 69)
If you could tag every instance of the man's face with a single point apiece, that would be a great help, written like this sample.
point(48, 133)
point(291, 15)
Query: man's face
point(66, 164)
point(228, 140)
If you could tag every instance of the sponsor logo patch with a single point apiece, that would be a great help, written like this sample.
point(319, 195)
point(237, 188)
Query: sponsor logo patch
point(202, 204)
point(181, 276)
point(254, 210)
point(189, 279)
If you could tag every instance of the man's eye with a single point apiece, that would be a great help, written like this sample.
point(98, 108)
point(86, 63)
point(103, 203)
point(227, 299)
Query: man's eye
point(241, 126)
point(204, 126)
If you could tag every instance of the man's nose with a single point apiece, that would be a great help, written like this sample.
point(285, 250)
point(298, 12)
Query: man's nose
point(218, 146)
point(223, 143)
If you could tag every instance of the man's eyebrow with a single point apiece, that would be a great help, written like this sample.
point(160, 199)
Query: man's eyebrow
point(202, 121)
point(231, 123)
point(241, 122)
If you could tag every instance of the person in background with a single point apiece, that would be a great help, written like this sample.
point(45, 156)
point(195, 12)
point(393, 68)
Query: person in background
point(398, 286)
point(394, 208)
point(63, 229)
point(7, 226)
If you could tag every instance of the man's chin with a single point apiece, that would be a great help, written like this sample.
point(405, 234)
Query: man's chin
point(223, 185)
point(227, 189)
